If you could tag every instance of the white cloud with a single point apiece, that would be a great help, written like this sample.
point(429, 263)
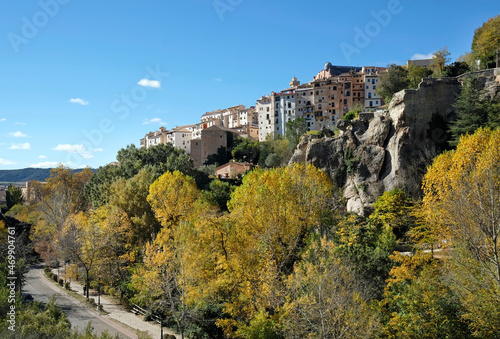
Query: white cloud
point(80, 149)
point(20, 123)
point(154, 121)
point(218, 79)
point(419, 56)
point(42, 157)
point(3, 119)
point(21, 146)
point(149, 83)
point(46, 164)
point(79, 101)
point(18, 134)
point(6, 162)
point(97, 150)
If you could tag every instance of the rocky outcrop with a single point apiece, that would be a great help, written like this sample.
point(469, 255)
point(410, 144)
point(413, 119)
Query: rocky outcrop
point(388, 149)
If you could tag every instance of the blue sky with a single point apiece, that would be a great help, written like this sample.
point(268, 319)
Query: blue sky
point(81, 79)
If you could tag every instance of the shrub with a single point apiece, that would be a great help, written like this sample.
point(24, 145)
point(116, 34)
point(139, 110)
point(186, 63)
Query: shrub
point(112, 291)
point(54, 277)
point(47, 270)
point(66, 285)
point(61, 282)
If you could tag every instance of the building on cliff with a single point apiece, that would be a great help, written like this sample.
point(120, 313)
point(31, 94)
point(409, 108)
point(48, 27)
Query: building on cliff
point(322, 102)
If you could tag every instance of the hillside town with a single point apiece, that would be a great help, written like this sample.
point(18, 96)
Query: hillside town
point(333, 92)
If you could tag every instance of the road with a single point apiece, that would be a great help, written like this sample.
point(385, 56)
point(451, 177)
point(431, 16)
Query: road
point(42, 289)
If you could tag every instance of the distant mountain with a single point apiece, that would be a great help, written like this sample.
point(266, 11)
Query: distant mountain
point(25, 174)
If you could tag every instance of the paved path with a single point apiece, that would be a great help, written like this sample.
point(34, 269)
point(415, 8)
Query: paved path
point(41, 288)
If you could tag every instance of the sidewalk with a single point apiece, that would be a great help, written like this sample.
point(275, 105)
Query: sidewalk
point(117, 313)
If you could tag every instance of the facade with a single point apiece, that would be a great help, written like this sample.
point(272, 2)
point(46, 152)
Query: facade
point(211, 139)
point(232, 170)
point(154, 138)
point(423, 63)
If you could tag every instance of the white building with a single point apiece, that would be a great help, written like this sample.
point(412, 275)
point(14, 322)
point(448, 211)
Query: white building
point(267, 119)
point(181, 137)
point(371, 81)
point(284, 109)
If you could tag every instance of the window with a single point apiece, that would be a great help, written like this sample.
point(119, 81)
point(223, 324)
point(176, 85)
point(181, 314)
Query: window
point(369, 94)
point(220, 136)
point(376, 102)
point(289, 105)
point(371, 103)
point(374, 87)
point(268, 109)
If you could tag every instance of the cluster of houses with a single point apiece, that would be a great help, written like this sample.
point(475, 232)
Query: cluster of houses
point(333, 92)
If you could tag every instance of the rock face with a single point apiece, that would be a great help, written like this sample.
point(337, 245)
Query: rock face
point(388, 149)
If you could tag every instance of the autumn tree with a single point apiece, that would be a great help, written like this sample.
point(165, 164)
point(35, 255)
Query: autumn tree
point(79, 242)
point(324, 299)
point(439, 60)
point(486, 41)
point(272, 212)
point(62, 196)
point(462, 195)
point(115, 245)
point(166, 279)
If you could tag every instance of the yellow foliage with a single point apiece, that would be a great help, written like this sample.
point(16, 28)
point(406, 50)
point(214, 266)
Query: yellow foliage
point(461, 204)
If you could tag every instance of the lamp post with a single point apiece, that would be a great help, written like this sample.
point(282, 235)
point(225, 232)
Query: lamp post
point(98, 291)
point(161, 319)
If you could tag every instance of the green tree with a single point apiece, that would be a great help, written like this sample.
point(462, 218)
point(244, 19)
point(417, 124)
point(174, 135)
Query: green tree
point(131, 196)
point(474, 109)
point(394, 80)
point(294, 130)
point(159, 158)
point(418, 303)
point(14, 196)
point(455, 69)
point(416, 74)
point(246, 150)
point(219, 193)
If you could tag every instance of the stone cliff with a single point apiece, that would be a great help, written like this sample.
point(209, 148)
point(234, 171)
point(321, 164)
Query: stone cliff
point(390, 149)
